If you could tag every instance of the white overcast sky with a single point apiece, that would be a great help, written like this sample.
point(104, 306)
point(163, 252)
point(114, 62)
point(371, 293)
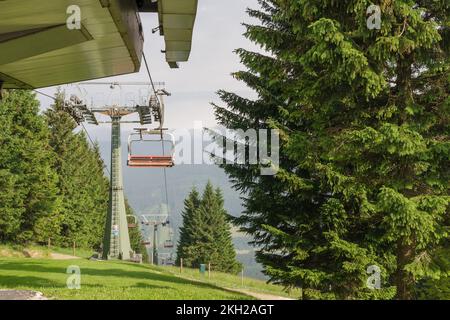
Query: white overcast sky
point(218, 32)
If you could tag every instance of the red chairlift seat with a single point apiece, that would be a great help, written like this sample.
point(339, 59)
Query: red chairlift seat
point(151, 161)
point(133, 224)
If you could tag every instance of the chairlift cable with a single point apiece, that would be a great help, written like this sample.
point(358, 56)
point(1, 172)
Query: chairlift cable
point(162, 142)
point(45, 95)
point(153, 85)
point(150, 76)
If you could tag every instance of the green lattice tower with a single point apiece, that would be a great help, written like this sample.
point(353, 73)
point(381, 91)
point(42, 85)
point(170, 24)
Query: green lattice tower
point(116, 243)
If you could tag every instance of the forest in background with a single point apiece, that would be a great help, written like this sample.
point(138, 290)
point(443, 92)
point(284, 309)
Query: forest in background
point(53, 185)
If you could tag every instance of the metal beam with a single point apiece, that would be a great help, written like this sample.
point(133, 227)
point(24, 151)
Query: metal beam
point(20, 45)
point(177, 19)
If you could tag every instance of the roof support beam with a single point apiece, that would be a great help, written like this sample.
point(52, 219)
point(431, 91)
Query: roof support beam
point(1, 90)
point(29, 43)
point(177, 18)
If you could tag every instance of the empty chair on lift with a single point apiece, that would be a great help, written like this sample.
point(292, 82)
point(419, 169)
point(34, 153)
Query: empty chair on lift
point(133, 224)
point(157, 138)
point(168, 244)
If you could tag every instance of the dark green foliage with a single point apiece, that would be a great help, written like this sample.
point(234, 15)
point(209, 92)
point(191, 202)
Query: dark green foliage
point(29, 200)
point(52, 184)
point(364, 123)
point(437, 287)
point(205, 236)
point(191, 205)
point(82, 185)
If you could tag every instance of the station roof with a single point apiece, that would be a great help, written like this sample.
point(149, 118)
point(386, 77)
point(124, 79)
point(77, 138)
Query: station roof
point(177, 18)
point(39, 50)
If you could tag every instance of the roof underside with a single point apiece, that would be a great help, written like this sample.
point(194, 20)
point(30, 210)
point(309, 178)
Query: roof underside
point(37, 49)
point(177, 18)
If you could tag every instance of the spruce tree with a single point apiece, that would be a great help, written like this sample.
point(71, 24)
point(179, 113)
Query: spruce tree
point(226, 255)
point(364, 122)
point(206, 236)
point(11, 197)
point(191, 205)
point(82, 184)
point(30, 206)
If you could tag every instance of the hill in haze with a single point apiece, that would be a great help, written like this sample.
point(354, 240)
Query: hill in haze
point(145, 191)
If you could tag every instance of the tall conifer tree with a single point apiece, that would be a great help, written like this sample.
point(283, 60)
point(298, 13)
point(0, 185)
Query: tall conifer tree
point(364, 121)
point(205, 236)
point(191, 205)
point(26, 170)
point(82, 184)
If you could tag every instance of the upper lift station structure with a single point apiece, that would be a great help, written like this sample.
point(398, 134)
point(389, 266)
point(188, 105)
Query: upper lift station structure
point(38, 48)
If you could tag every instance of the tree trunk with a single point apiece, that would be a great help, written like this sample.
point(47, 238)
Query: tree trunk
point(404, 280)
point(404, 86)
point(405, 249)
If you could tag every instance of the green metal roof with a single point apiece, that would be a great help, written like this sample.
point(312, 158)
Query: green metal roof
point(38, 50)
point(177, 18)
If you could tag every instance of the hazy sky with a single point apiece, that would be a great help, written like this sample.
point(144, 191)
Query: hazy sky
point(218, 31)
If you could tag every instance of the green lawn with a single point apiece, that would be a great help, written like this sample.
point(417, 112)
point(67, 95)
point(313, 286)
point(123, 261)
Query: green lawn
point(104, 280)
point(234, 282)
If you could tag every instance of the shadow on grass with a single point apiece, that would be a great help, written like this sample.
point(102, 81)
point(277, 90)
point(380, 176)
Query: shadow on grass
point(142, 285)
point(27, 281)
point(144, 273)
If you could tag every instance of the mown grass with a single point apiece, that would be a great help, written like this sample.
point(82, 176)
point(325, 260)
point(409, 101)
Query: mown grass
point(234, 282)
point(108, 280)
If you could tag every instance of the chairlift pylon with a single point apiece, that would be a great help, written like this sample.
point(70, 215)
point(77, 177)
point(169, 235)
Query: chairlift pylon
point(151, 137)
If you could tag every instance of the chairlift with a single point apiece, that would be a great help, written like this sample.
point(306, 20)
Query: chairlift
point(168, 244)
point(132, 224)
point(151, 137)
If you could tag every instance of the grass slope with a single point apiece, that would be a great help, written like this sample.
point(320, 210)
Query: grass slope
point(104, 280)
point(226, 280)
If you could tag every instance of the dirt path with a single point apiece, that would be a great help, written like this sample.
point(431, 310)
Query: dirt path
point(258, 295)
point(60, 256)
point(21, 295)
